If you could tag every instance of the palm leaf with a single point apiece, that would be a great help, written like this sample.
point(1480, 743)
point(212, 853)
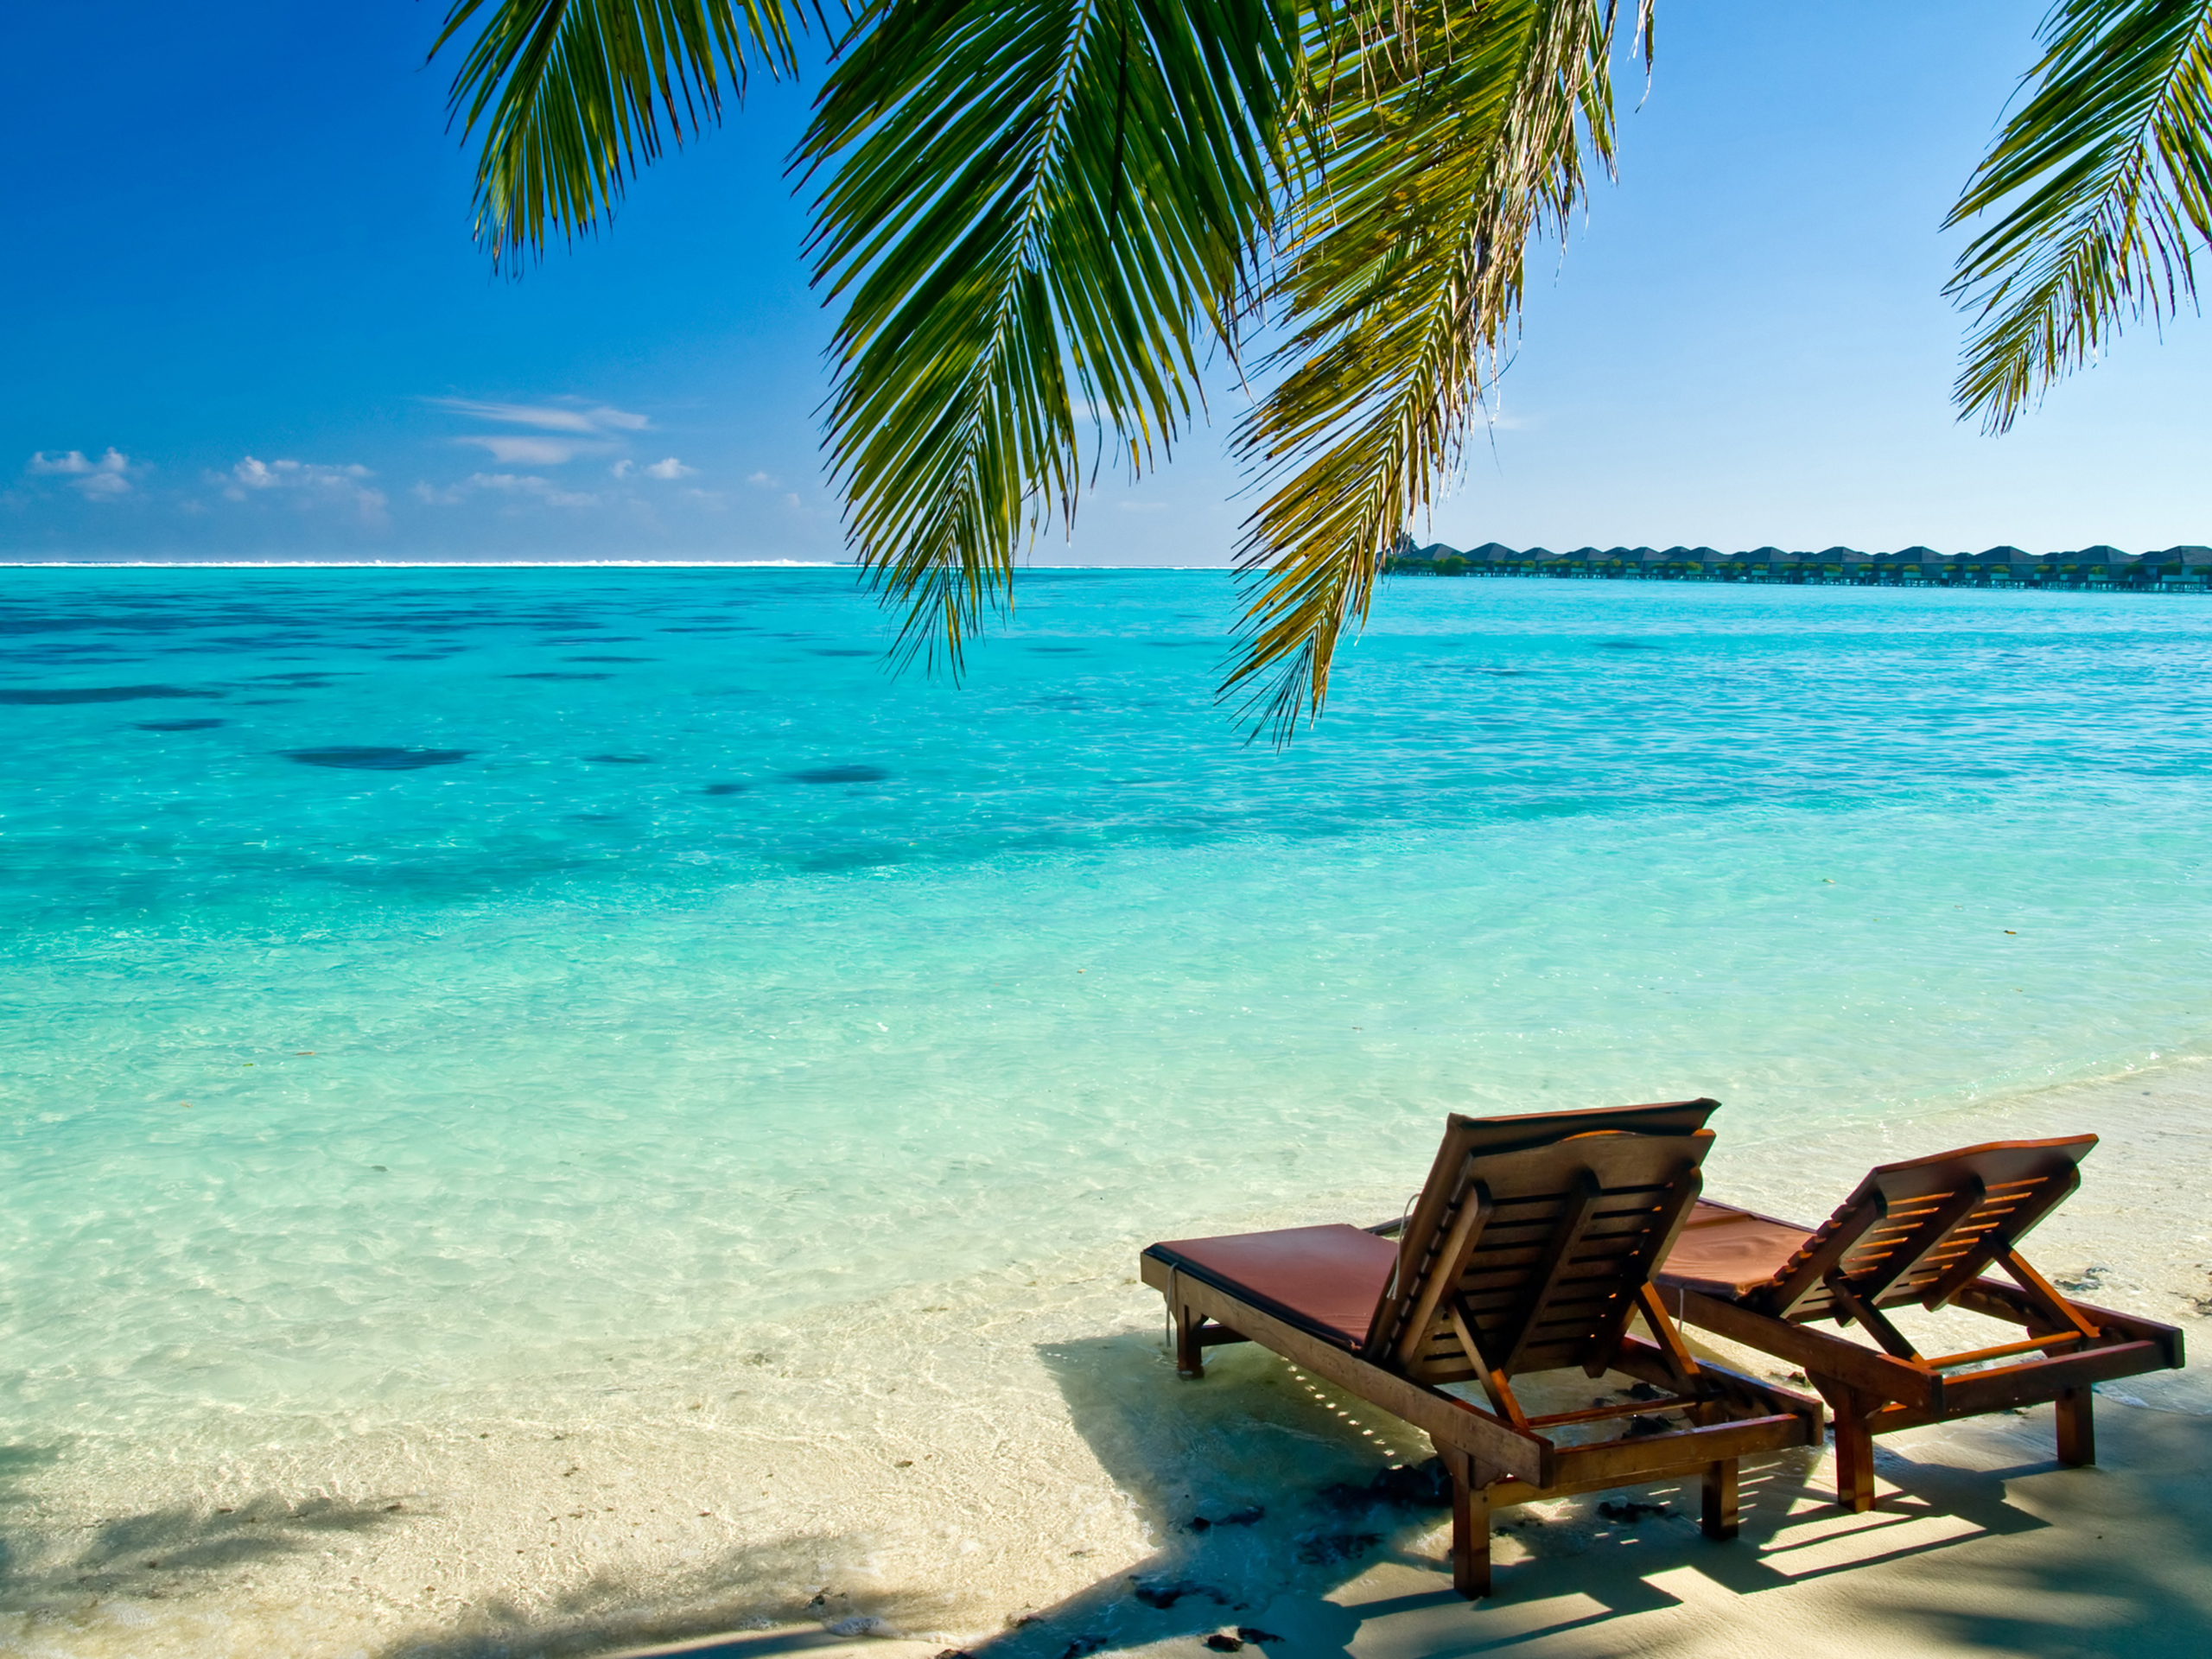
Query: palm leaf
point(1032, 208)
point(573, 94)
point(2108, 170)
point(1452, 137)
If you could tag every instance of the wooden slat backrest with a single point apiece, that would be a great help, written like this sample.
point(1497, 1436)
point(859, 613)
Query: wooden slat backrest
point(1467, 1138)
point(1920, 1231)
point(1541, 1253)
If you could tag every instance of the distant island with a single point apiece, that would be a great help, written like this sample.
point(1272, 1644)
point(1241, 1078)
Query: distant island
point(2178, 570)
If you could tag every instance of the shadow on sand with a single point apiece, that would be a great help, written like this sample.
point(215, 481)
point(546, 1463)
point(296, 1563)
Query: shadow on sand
point(161, 1553)
point(1310, 1541)
point(1290, 1520)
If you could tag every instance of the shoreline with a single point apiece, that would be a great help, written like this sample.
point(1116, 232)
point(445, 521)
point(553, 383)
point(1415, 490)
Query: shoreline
point(940, 1463)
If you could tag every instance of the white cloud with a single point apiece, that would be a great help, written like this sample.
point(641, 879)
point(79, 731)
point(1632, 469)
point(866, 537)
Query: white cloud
point(550, 417)
point(310, 483)
point(517, 484)
point(766, 481)
point(667, 470)
point(530, 452)
point(97, 480)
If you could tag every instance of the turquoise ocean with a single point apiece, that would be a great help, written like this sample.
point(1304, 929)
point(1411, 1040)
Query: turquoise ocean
point(418, 981)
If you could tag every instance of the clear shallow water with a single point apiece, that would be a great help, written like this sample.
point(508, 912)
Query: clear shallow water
point(566, 965)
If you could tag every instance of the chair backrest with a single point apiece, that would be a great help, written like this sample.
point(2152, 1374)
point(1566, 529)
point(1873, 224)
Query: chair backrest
point(1528, 1246)
point(1921, 1230)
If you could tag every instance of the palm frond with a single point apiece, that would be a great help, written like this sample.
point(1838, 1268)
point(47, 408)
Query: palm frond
point(2108, 170)
point(573, 94)
point(1452, 136)
point(1036, 210)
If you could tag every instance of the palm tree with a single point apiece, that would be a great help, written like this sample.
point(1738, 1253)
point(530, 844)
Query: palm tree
point(1043, 218)
point(2108, 166)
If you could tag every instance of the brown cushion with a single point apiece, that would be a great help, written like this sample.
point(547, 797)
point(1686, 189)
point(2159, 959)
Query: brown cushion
point(1725, 1251)
point(1324, 1280)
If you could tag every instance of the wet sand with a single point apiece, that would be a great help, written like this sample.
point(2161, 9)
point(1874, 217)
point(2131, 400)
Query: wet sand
point(1012, 1468)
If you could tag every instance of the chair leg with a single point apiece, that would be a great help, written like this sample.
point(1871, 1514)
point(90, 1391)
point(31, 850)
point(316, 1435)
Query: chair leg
point(1470, 1529)
point(1190, 1354)
point(1719, 1517)
point(1854, 1452)
point(2077, 1427)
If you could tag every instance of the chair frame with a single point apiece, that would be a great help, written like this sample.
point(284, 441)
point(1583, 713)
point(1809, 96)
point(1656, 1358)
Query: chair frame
point(1923, 1231)
point(1501, 1456)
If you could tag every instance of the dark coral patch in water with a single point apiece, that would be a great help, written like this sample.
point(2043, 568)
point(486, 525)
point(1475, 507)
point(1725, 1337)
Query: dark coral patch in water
point(177, 725)
point(725, 789)
point(97, 693)
point(840, 775)
point(365, 758)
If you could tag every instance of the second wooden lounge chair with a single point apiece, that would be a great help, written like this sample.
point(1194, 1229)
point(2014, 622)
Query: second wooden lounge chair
point(1923, 1231)
point(1529, 1250)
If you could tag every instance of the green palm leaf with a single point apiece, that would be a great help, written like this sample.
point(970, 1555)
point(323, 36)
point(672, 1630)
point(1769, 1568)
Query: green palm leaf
point(1406, 248)
point(1036, 210)
point(572, 95)
point(2109, 168)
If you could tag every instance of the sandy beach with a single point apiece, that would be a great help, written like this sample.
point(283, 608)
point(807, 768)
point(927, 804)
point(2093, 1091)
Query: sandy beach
point(1012, 1467)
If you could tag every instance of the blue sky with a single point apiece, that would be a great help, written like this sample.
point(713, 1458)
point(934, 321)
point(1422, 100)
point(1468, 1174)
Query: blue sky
point(245, 320)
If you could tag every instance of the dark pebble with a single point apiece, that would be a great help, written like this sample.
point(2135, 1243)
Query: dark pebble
point(1253, 1634)
point(1220, 1642)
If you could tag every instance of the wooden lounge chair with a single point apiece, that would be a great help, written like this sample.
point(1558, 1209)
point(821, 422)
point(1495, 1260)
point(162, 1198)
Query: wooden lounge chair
point(1922, 1231)
point(1529, 1250)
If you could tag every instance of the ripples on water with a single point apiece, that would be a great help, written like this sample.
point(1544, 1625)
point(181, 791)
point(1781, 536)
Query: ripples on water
point(554, 958)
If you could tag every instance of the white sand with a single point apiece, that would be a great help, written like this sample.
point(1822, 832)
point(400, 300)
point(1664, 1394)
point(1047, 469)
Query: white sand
point(933, 1469)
